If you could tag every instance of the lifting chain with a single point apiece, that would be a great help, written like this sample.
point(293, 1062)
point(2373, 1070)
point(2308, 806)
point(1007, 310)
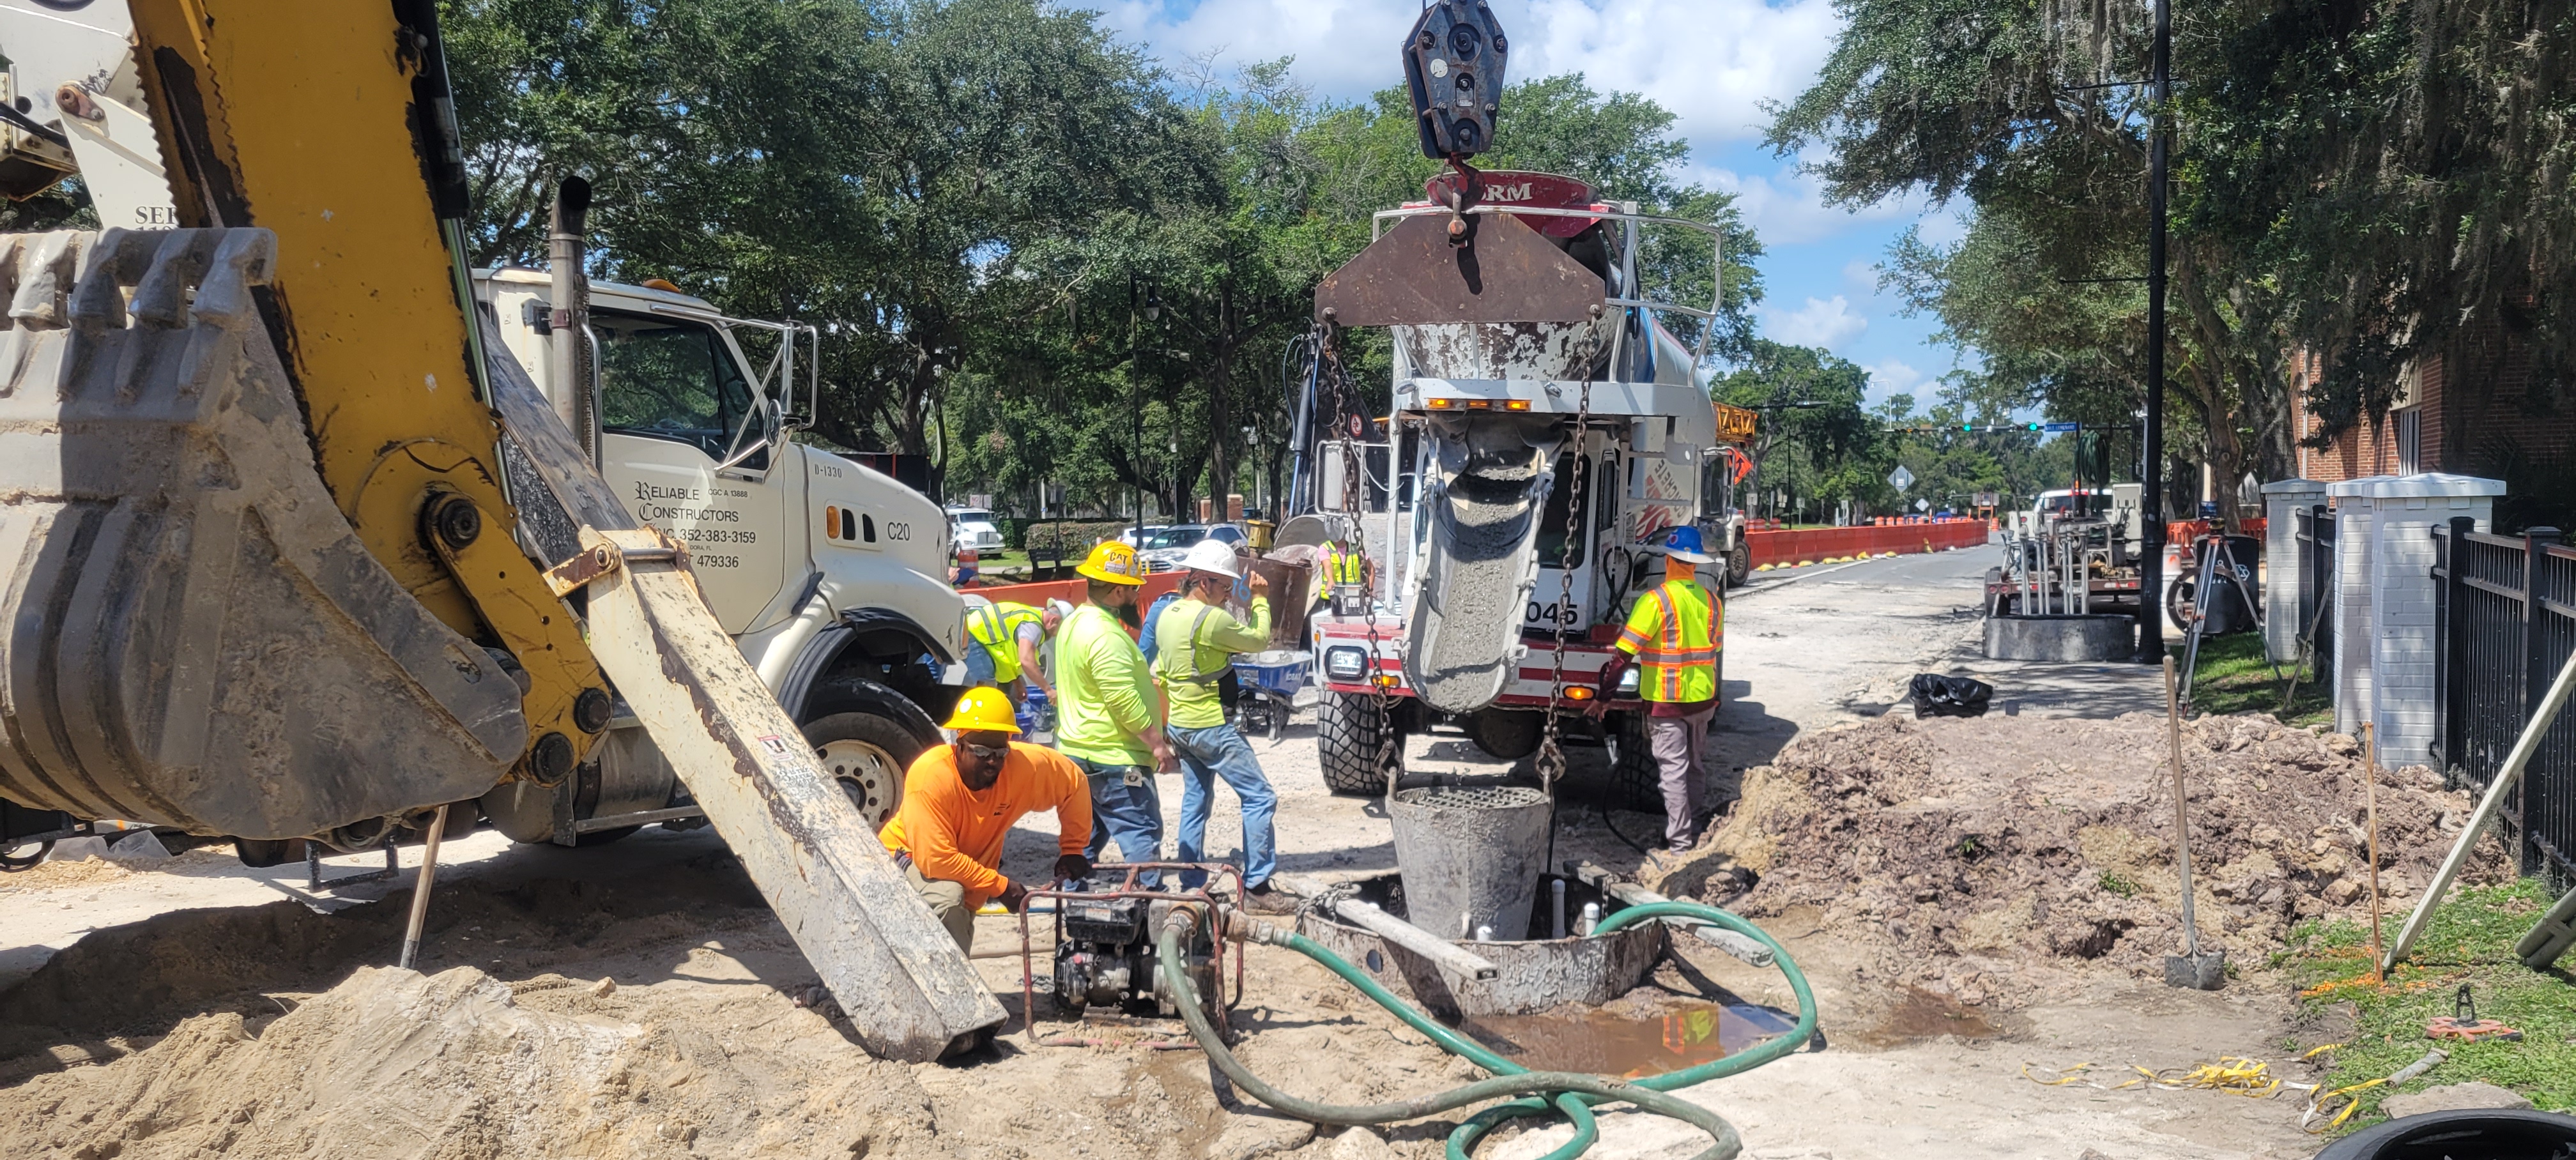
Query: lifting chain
point(1389, 760)
point(1551, 754)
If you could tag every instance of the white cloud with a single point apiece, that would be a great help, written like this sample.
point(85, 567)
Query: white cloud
point(1824, 322)
point(1711, 62)
point(1892, 377)
point(1787, 208)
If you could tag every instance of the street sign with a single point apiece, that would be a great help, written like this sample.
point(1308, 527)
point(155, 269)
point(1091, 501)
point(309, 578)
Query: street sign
point(2060, 426)
point(1986, 499)
point(1900, 479)
point(1922, 505)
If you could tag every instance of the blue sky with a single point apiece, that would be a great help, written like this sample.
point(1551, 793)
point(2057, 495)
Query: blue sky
point(1712, 62)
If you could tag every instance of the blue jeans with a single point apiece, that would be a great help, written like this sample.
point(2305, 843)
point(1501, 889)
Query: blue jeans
point(1132, 814)
point(1206, 755)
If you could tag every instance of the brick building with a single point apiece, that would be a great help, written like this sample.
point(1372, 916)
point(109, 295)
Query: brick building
point(2448, 422)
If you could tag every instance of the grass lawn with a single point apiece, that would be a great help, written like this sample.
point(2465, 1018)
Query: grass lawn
point(2469, 940)
point(2234, 678)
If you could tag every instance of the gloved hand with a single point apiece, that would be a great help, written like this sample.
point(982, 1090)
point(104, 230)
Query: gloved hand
point(1072, 868)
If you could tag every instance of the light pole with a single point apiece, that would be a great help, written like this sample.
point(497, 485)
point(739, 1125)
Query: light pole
point(2151, 504)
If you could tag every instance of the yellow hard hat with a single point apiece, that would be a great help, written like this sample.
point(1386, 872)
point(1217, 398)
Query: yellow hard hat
point(1114, 562)
point(983, 711)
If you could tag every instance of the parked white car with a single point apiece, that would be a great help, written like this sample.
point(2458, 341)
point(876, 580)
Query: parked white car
point(1163, 550)
point(973, 528)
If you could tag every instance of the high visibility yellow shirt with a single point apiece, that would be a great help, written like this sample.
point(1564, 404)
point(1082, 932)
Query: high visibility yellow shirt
point(1104, 697)
point(1675, 632)
point(1189, 675)
point(998, 627)
point(1345, 566)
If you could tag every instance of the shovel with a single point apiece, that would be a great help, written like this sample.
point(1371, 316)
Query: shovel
point(2194, 968)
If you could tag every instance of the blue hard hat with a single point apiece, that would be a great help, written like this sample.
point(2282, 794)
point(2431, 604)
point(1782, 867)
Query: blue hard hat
point(1683, 543)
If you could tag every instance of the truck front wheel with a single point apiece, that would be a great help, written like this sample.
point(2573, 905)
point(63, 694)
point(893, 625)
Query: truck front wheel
point(865, 735)
point(1739, 564)
point(1349, 730)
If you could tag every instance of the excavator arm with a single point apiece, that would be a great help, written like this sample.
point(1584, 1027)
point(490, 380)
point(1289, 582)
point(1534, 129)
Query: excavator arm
point(261, 572)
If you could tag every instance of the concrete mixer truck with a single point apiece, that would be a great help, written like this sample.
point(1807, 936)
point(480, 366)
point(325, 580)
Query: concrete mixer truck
point(1547, 427)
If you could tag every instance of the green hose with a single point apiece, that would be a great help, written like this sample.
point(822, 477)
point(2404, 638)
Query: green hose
point(1571, 1094)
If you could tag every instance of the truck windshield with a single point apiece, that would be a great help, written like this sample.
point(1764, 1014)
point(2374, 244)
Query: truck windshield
point(1551, 523)
point(669, 379)
point(2081, 505)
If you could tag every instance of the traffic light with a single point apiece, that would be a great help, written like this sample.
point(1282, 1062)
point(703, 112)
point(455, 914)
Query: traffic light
point(2030, 426)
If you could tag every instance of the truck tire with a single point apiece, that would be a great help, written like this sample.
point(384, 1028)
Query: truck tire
point(1636, 782)
point(1739, 564)
point(1348, 731)
point(865, 734)
point(1507, 734)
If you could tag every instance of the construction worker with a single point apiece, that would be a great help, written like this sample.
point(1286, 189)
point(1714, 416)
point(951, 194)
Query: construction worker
point(1342, 574)
point(1011, 635)
point(1675, 630)
point(1108, 717)
point(1197, 639)
point(960, 799)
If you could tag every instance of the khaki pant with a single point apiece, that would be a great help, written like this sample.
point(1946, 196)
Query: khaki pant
point(1678, 744)
point(947, 902)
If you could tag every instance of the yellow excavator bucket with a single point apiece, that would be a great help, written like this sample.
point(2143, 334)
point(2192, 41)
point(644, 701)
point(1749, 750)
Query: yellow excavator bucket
point(260, 571)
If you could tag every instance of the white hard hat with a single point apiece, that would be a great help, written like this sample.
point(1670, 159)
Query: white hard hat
point(1212, 556)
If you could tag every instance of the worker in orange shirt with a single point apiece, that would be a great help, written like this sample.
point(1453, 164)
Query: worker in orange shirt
point(960, 799)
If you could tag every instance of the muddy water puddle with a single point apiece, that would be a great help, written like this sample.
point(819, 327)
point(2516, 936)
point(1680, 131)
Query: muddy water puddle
point(1918, 1014)
point(1629, 1046)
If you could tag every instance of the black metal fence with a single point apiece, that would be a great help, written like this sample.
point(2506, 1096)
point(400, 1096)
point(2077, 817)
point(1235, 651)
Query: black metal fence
point(2508, 621)
point(2314, 532)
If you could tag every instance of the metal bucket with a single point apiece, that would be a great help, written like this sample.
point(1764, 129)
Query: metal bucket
point(1471, 856)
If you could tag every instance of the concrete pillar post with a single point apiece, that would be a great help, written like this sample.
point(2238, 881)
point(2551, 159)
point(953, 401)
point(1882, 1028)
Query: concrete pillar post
point(2285, 567)
point(2387, 599)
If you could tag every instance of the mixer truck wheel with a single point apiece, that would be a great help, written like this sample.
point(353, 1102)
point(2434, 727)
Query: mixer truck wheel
point(1739, 565)
point(1636, 783)
point(1508, 734)
point(1348, 731)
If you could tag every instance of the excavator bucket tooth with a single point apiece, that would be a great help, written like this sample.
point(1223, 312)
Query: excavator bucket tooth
point(180, 599)
point(1500, 271)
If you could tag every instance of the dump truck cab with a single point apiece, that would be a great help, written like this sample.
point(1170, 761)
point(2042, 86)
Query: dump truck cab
point(829, 575)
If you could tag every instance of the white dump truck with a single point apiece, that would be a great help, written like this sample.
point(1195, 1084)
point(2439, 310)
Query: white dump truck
point(830, 576)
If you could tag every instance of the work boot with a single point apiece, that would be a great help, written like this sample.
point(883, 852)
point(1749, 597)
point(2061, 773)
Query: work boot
point(1267, 899)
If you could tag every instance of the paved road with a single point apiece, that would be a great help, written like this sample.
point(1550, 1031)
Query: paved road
point(1834, 642)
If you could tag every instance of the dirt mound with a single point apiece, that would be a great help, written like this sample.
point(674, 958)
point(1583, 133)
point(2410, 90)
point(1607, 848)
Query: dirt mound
point(395, 1063)
point(1995, 857)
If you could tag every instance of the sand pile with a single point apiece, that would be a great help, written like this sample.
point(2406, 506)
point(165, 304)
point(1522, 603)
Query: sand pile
point(395, 1063)
point(1994, 858)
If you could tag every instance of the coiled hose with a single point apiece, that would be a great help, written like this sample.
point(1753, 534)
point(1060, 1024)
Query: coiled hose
point(1572, 1094)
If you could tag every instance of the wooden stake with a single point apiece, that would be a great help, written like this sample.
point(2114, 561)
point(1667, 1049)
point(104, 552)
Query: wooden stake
point(2370, 775)
point(420, 888)
point(2182, 811)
